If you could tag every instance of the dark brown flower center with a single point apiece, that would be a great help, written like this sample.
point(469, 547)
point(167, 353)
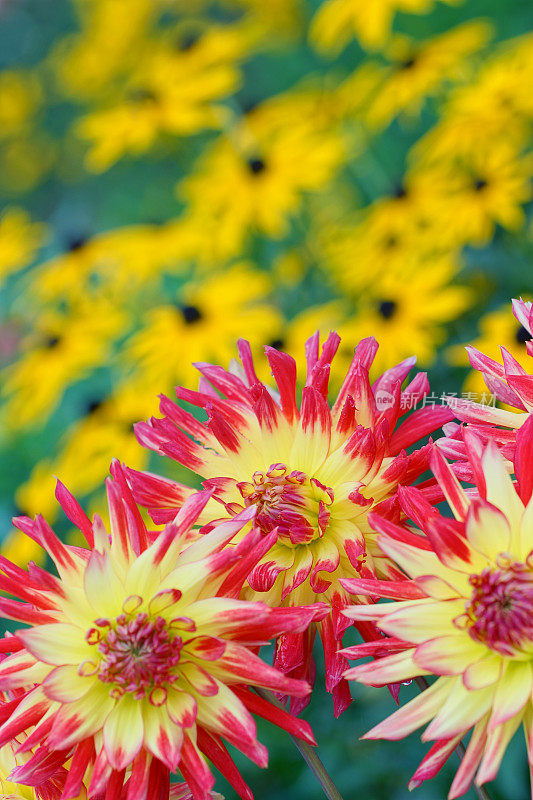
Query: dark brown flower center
point(522, 335)
point(387, 308)
point(191, 314)
point(256, 165)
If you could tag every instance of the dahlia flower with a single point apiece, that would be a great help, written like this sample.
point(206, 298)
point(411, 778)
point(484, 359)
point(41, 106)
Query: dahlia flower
point(466, 615)
point(132, 666)
point(311, 472)
point(50, 788)
point(511, 384)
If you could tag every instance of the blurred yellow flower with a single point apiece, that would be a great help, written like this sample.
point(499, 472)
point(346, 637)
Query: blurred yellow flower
point(477, 117)
point(407, 309)
point(354, 94)
point(485, 189)
point(337, 21)
point(289, 268)
point(393, 230)
point(418, 69)
point(21, 552)
point(129, 128)
point(20, 239)
point(255, 179)
point(208, 317)
point(108, 44)
point(174, 89)
point(280, 17)
point(20, 97)
point(111, 263)
point(24, 162)
point(63, 347)
point(87, 448)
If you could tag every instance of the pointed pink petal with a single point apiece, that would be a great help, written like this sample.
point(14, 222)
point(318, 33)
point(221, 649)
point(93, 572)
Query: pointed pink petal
point(211, 744)
point(523, 461)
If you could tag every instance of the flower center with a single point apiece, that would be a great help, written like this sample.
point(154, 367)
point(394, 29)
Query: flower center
point(256, 165)
point(191, 314)
point(500, 609)
point(138, 655)
point(291, 501)
point(522, 335)
point(187, 40)
point(480, 184)
point(407, 64)
point(387, 308)
point(76, 243)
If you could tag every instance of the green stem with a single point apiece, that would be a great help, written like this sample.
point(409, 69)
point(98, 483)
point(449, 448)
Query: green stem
point(480, 791)
point(307, 752)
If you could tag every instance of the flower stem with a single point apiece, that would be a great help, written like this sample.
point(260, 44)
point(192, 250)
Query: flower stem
point(307, 752)
point(480, 791)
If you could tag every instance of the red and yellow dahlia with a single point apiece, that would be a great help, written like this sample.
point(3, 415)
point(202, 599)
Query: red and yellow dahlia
point(132, 666)
point(510, 382)
point(466, 615)
point(312, 473)
point(41, 788)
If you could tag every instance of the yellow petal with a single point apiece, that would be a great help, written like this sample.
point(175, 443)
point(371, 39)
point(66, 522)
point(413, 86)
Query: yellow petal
point(123, 732)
